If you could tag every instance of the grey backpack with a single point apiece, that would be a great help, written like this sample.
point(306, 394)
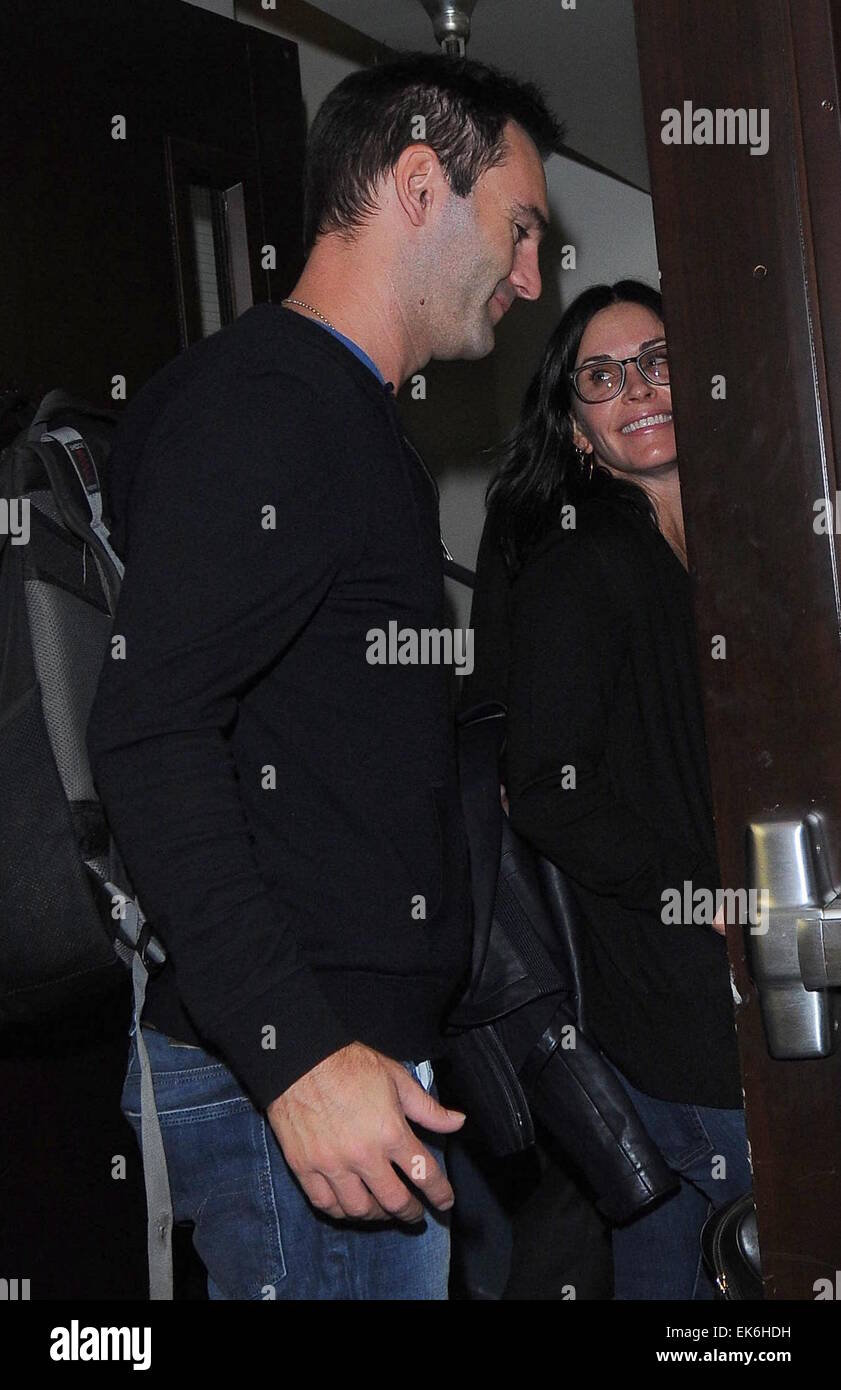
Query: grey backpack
point(70, 923)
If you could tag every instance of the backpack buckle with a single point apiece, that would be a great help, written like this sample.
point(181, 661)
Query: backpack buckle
point(149, 949)
point(134, 931)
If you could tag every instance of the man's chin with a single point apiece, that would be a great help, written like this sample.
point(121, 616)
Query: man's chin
point(469, 349)
point(484, 340)
point(474, 351)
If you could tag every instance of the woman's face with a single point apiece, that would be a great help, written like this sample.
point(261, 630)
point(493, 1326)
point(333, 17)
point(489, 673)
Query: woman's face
point(604, 429)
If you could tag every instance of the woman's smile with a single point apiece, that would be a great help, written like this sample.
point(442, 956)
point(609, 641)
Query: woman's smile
point(647, 422)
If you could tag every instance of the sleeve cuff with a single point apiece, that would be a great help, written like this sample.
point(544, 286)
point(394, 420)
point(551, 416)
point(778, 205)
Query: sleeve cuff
point(278, 1037)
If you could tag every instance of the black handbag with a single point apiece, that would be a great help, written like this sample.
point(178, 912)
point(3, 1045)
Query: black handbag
point(518, 1048)
point(730, 1250)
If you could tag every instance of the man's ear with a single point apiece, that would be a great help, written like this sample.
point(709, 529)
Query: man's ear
point(579, 438)
point(415, 179)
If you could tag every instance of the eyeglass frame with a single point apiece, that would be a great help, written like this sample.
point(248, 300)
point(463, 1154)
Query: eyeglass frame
point(617, 362)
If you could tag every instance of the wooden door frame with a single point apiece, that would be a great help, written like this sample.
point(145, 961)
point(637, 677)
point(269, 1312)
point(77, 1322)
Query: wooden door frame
point(750, 256)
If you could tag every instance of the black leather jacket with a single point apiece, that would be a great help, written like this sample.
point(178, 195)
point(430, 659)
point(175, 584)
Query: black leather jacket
point(519, 1045)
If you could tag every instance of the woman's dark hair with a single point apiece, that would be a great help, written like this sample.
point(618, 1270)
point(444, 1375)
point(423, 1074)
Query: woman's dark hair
point(369, 119)
point(539, 470)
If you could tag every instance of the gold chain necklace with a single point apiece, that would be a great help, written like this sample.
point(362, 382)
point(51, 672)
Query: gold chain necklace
point(312, 310)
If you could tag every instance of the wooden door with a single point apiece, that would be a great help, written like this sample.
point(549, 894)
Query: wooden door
point(749, 242)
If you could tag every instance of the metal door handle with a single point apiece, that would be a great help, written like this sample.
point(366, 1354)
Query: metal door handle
point(795, 954)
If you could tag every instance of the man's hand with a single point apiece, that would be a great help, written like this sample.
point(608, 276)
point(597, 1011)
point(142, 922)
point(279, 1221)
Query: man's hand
point(343, 1125)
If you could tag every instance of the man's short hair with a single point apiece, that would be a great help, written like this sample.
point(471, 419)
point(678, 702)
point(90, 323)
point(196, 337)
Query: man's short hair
point(366, 122)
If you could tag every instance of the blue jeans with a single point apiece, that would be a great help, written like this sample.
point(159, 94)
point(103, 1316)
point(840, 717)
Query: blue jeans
point(658, 1255)
point(255, 1231)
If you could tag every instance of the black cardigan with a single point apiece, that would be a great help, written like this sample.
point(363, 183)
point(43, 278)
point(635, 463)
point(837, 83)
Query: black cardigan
point(594, 649)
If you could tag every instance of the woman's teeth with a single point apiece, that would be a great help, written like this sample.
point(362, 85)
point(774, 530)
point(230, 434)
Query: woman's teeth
point(646, 421)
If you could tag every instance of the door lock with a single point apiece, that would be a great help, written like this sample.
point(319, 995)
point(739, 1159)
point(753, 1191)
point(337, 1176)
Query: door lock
point(795, 956)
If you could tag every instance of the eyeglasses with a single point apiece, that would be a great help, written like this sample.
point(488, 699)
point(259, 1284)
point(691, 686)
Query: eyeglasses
point(601, 381)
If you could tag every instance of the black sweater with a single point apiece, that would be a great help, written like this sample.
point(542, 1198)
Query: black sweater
point(282, 805)
point(595, 643)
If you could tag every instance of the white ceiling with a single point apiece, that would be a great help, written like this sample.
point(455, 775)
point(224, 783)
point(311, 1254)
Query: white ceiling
point(584, 59)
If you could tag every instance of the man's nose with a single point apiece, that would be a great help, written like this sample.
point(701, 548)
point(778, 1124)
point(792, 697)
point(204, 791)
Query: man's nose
point(525, 275)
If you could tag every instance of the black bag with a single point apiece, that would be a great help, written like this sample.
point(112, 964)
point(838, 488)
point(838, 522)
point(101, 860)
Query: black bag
point(519, 1045)
point(730, 1249)
point(68, 917)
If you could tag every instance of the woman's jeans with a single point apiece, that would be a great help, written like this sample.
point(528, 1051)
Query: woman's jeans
point(658, 1255)
point(256, 1233)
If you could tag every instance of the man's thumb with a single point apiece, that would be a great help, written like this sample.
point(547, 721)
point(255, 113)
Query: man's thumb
point(424, 1109)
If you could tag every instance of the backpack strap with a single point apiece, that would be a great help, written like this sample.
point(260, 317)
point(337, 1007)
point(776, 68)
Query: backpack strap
point(460, 573)
point(84, 467)
point(132, 931)
point(147, 951)
point(137, 947)
point(155, 1175)
point(69, 465)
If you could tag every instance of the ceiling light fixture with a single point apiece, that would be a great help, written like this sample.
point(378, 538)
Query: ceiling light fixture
point(451, 24)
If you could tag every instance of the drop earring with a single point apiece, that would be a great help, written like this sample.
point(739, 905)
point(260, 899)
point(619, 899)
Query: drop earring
point(586, 464)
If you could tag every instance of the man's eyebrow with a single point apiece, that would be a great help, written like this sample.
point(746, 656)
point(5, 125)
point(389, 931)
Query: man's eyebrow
point(605, 357)
point(532, 211)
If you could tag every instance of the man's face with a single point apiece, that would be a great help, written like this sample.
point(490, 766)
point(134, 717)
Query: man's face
point(489, 250)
